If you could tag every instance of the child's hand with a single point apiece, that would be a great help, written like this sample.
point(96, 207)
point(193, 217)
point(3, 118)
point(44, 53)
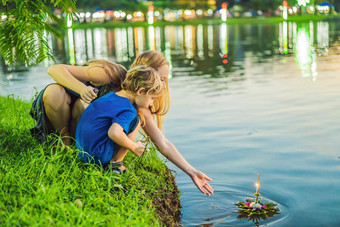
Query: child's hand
point(139, 150)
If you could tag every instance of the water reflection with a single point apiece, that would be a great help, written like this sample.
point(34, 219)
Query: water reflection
point(208, 46)
point(119, 41)
point(306, 42)
point(224, 43)
point(71, 51)
point(323, 38)
point(151, 35)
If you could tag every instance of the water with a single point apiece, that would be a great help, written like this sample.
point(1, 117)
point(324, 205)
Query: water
point(246, 99)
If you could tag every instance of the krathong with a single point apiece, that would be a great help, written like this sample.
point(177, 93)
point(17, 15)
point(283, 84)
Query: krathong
point(254, 209)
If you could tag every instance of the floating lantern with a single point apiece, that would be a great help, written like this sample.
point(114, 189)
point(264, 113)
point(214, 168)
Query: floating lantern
point(254, 209)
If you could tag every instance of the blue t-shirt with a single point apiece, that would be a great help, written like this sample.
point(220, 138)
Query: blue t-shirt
point(92, 129)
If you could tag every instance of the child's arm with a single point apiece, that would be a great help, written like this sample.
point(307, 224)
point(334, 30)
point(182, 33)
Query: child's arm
point(116, 133)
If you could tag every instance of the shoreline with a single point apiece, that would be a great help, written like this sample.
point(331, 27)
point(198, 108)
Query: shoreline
point(210, 21)
point(45, 185)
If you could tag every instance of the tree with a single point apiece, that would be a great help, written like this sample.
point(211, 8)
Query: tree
point(25, 22)
point(108, 4)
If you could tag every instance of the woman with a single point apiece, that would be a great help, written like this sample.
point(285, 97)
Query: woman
point(63, 111)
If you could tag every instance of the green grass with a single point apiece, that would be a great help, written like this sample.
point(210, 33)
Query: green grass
point(43, 186)
point(241, 20)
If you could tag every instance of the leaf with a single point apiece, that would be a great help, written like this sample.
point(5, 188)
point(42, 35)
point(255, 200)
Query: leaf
point(22, 35)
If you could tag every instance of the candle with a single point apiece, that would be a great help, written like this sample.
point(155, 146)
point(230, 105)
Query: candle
point(258, 183)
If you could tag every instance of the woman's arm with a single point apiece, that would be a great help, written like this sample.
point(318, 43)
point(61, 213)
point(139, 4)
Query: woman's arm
point(72, 77)
point(171, 153)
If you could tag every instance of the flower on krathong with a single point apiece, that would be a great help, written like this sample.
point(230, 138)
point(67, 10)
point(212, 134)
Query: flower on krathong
point(256, 211)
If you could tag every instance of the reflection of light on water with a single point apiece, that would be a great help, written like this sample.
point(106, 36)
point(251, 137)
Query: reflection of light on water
point(130, 42)
point(70, 40)
point(200, 48)
point(48, 38)
point(110, 34)
point(100, 43)
point(323, 37)
point(311, 33)
point(305, 54)
point(121, 49)
point(291, 34)
point(79, 46)
point(139, 40)
point(151, 36)
point(189, 41)
point(294, 28)
point(210, 35)
point(158, 39)
point(284, 38)
point(179, 38)
point(224, 38)
point(167, 55)
point(89, 44)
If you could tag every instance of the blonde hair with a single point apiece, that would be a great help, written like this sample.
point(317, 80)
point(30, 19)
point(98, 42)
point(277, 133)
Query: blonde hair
point(143, 77)
point(161, 104)
point(114, 71)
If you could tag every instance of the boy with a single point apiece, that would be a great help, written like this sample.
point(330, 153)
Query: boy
point(109, 125)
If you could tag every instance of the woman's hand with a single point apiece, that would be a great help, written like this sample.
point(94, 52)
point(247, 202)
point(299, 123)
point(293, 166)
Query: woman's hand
point(88, 94)
point(200, 180)
point(139, 150)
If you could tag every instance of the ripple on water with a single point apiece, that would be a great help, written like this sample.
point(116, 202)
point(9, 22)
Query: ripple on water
point(219, 209)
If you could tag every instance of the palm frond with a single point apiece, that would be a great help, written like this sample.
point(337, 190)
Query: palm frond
point(22, 35)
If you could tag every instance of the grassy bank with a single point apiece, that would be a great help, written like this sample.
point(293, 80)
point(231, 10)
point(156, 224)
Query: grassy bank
point(250, 20)
point(44, 186)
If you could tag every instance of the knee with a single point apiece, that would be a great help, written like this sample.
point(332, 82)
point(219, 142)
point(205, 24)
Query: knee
point(55, 97)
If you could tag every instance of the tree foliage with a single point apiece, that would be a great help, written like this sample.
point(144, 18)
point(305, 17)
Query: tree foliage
point(107, 4)
point(24, 27)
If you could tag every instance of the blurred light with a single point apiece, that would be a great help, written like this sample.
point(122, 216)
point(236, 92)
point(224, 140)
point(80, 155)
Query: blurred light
point(139, 14)
point(187, 12)
point(72, 59)
point(303, 2)
point(98, 15)
point(116, 14)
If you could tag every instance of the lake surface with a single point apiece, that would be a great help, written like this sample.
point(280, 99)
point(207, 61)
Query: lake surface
point(246, 99)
